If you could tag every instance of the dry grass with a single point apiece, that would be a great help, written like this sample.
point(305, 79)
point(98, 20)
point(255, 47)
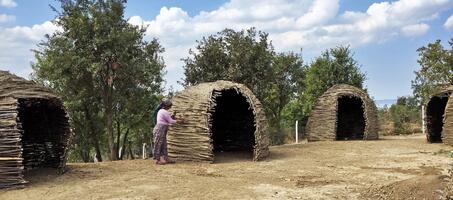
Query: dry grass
point(393, 165)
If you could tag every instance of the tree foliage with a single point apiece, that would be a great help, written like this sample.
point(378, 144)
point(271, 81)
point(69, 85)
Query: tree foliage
point(334, 66)
point(240, 56)
point(405, 112)
point(247, 57)
point(286, 87)
point(107, 75)
point(436, 70)
point(288, 72)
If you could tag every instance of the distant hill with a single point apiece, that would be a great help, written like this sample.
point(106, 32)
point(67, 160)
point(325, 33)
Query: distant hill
point(381, 103)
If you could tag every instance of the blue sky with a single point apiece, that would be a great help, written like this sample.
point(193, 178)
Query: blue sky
point(384, 35)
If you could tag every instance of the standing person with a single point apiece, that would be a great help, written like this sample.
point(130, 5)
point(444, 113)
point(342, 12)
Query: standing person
point(163, 120)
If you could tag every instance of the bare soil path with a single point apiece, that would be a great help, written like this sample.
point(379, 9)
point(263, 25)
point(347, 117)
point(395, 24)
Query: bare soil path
point(394, 167)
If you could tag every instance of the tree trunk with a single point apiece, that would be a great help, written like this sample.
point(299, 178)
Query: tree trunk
point(123, 149)
point(94, 135)
point(130, 151)
point(98, 150)
point(107, 97)
point(110, 136)
point(85, 156)
point(118, 136)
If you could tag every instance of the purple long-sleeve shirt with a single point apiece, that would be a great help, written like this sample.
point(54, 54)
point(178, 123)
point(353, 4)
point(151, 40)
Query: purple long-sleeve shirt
point(164, 117)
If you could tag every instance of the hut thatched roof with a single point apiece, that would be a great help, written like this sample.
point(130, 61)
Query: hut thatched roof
point(447, 129)
point(322, 123)
point(25, 140)
point(193, 139)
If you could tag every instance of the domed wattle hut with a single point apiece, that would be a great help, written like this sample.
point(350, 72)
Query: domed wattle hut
point(220, 116)
point(439, 117)
point(343, 112)
point(34, 129)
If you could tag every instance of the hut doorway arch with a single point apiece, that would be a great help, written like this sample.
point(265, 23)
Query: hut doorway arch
point(435, 112)
point(350, 118)
point(220, 116)
point(34, 129)
point(40, 120)
point(343, 112)
point(233, 125)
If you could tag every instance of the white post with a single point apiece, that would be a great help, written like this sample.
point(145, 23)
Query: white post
point(423, 119)
point(119, 153)
point(297, 132)
point(144, 151)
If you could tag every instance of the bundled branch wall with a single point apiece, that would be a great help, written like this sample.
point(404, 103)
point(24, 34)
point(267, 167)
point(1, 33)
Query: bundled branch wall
point(192, 140)
point(34, 129)
point(446, 120)
point(322, 123)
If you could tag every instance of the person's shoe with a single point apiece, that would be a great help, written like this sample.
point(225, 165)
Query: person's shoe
point(160, 163)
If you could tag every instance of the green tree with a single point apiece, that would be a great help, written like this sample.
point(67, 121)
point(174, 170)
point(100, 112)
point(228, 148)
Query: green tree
point(406, 111)
point(99, 64)
point(334, 66)
point(436, 70)
point(288, 72)
point(240, 56)
point(248, 57)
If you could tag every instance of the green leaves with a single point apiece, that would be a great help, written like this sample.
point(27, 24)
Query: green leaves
point(405, 112)
point(285, 86)
point(436, 70)
point(334, 66)
point(243, 56)
point(101, 63)
point(247, 57)
point(287, 73)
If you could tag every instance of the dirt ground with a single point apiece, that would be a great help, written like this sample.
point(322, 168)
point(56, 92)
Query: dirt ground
point(394, 167)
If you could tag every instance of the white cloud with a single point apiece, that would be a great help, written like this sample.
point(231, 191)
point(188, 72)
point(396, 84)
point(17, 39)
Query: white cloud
point(136, 20)
point(34, 33)
point(313, 25)
point(8, 3)
point(386, 20)
point(319, 13)
point(6, 18)
point(306, 23)
point(415, 29)
point(16, 45)
point(449, 23)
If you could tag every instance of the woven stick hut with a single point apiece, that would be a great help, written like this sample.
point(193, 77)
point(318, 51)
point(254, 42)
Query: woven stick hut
point(34, 129)
point(439, 117)
point(343, 112)
point(220, 116)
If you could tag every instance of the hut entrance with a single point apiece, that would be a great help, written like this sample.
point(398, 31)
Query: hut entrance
point(233, 125)
point(43, 129)
point(435, 115)
point(350, 118)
